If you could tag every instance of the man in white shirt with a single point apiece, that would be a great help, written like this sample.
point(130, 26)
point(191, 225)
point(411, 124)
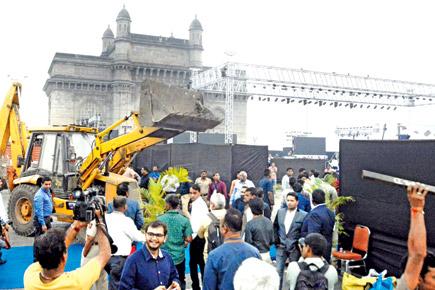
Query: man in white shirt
point(244, 182)
point(130, 173)
point(198, 213)
point(123, 232)
point(285, 182)
point(170, 182)
point(312, 249)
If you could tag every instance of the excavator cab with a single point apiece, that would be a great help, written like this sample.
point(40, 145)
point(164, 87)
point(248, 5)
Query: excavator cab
point(58, 155)
point(56, 152)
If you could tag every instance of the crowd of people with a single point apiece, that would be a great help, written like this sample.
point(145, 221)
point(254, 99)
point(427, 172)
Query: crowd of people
point(229, 235)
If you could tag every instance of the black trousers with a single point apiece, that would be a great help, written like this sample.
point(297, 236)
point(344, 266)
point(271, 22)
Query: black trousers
point(196, 259)
point(114, 269)
point(39, 232)
point(38, 226)
point(181, 269)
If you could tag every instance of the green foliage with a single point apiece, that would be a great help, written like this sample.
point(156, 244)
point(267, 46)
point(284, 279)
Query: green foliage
point(329, 178)
point(154, 197)
point(333, 201)
point(339, 201)
point(154, 200)
point(334, 205)
point(180, 172)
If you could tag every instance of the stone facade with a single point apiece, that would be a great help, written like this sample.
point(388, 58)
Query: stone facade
point(106, 87)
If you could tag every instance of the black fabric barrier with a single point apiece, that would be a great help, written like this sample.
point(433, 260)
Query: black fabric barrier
point(383, 207)
point(225, 159)
point(198, 157)
point(308, 164)
point(252, 159)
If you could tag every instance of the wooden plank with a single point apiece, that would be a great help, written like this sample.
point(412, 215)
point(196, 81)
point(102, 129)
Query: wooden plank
point(394, 180)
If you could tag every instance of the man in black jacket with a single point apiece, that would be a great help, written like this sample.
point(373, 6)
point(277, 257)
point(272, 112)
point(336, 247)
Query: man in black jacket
point(320, 220)
point(287, 229)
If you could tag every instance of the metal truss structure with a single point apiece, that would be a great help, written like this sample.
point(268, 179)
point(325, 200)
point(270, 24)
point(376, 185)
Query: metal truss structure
point(266, 83)
point(357, 132)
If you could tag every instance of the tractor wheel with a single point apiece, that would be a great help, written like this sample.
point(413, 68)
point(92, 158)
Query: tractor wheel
point(20, 209)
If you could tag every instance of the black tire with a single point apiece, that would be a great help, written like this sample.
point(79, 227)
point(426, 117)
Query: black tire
point(22, 195)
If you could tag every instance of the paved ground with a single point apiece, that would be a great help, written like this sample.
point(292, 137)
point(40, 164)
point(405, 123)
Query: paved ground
point(19, 241)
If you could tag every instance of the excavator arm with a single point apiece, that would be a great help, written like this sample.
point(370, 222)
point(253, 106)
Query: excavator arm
point(13, 132)
point(166, 112)
point(114, 154)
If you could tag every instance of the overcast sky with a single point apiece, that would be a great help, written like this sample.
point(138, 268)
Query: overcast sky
point(387, 39)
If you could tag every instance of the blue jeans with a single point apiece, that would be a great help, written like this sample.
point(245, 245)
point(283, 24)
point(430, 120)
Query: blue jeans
point(281, 257)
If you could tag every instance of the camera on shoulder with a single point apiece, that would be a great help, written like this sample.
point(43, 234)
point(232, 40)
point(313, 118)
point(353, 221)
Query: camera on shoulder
point(87, 203)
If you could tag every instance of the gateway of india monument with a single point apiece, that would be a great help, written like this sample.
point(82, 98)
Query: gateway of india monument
point(105, 88)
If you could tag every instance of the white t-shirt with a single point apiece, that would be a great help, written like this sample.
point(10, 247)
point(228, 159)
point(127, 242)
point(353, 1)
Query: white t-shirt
point(123, 232)
point(170, 183)
point(198, 215)
point(289, 216)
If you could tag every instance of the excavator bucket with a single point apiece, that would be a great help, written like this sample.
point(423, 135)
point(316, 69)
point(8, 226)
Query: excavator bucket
point(173, 107)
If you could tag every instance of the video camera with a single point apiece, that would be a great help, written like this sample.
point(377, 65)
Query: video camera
point(88, 202)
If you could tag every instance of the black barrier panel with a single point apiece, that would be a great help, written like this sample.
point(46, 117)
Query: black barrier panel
point(198, 157)
point(143, 159)
point(382, 207)
point(161, 156)
point(225, 159)
point(252, 159)
point(308, 164)
point(309, 145)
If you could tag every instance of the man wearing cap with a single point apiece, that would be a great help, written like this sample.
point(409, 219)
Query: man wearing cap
point(312, 248)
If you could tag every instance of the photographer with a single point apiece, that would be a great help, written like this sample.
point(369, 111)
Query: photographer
point(51, 252)
point(91, 250)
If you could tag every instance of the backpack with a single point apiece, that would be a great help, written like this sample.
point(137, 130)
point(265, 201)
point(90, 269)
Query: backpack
point(308, 279)
point(214, 238)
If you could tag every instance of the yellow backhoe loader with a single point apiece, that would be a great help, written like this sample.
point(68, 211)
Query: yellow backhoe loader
point(80, 157)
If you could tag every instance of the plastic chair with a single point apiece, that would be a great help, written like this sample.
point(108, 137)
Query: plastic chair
point(358, 253)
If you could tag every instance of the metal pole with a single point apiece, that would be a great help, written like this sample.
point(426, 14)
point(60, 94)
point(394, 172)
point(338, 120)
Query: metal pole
point(229, 104)
point(398, 131)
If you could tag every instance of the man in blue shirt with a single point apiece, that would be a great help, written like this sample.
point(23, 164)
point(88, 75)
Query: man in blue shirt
point(133, 208)
point(223, 262)
point(267, 185)
point(151, 268)
point(155, 173)
point(303, 199)
point(43, 207)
